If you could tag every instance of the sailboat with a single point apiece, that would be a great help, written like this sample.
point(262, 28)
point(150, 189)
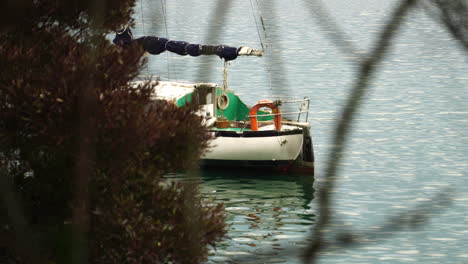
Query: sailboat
point(243, 137)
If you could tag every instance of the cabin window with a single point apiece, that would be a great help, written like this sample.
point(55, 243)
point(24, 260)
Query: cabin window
point(203, 95)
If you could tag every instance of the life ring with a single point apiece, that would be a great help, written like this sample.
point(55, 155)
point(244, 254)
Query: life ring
point(223, 101)
point(272, 106)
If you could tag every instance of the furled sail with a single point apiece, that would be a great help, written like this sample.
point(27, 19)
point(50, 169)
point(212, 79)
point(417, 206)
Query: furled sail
point(157, 45)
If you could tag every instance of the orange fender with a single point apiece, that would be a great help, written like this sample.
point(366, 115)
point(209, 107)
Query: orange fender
point(272, 106)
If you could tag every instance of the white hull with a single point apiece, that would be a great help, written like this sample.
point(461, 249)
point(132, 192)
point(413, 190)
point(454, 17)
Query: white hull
point(262, 148)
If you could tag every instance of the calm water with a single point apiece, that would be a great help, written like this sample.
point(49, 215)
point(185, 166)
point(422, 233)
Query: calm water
point(408, 143)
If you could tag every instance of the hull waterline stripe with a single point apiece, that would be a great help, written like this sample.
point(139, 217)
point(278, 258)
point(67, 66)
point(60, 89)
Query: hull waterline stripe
point(267, 133)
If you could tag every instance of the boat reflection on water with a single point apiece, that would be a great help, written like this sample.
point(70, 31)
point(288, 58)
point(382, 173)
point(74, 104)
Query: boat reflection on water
point(268, 215)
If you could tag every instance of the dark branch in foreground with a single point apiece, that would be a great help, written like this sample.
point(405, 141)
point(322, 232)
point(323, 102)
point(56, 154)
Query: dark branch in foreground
point(23, 244)
point(408, 220)
point(214, 32)
point(367, 69)
point(454, 16)
point(405, 221)
point(334, 33)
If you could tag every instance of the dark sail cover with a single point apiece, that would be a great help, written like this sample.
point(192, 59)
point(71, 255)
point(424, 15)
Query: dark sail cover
point(194, 49)
point(178, 47)
point(153, 45)
point(226, 52)
point(156, 45)
point(123, 37)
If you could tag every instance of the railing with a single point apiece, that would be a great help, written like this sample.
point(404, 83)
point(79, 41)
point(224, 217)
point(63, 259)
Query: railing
point(303, 108)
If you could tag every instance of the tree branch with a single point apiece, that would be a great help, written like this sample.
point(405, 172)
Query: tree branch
point(359, 90)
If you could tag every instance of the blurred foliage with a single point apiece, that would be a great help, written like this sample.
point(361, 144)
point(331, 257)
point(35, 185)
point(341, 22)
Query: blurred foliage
point(64, 86)
point(66, 14)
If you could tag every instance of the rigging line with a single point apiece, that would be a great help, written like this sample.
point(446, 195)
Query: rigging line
point(164, 15)
point(164, 11)
point(265, 35)
point(261, 18)
point(267, 49)
point(278, 77)
point(144, 32)
point(256, 25)
point(142, 18)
